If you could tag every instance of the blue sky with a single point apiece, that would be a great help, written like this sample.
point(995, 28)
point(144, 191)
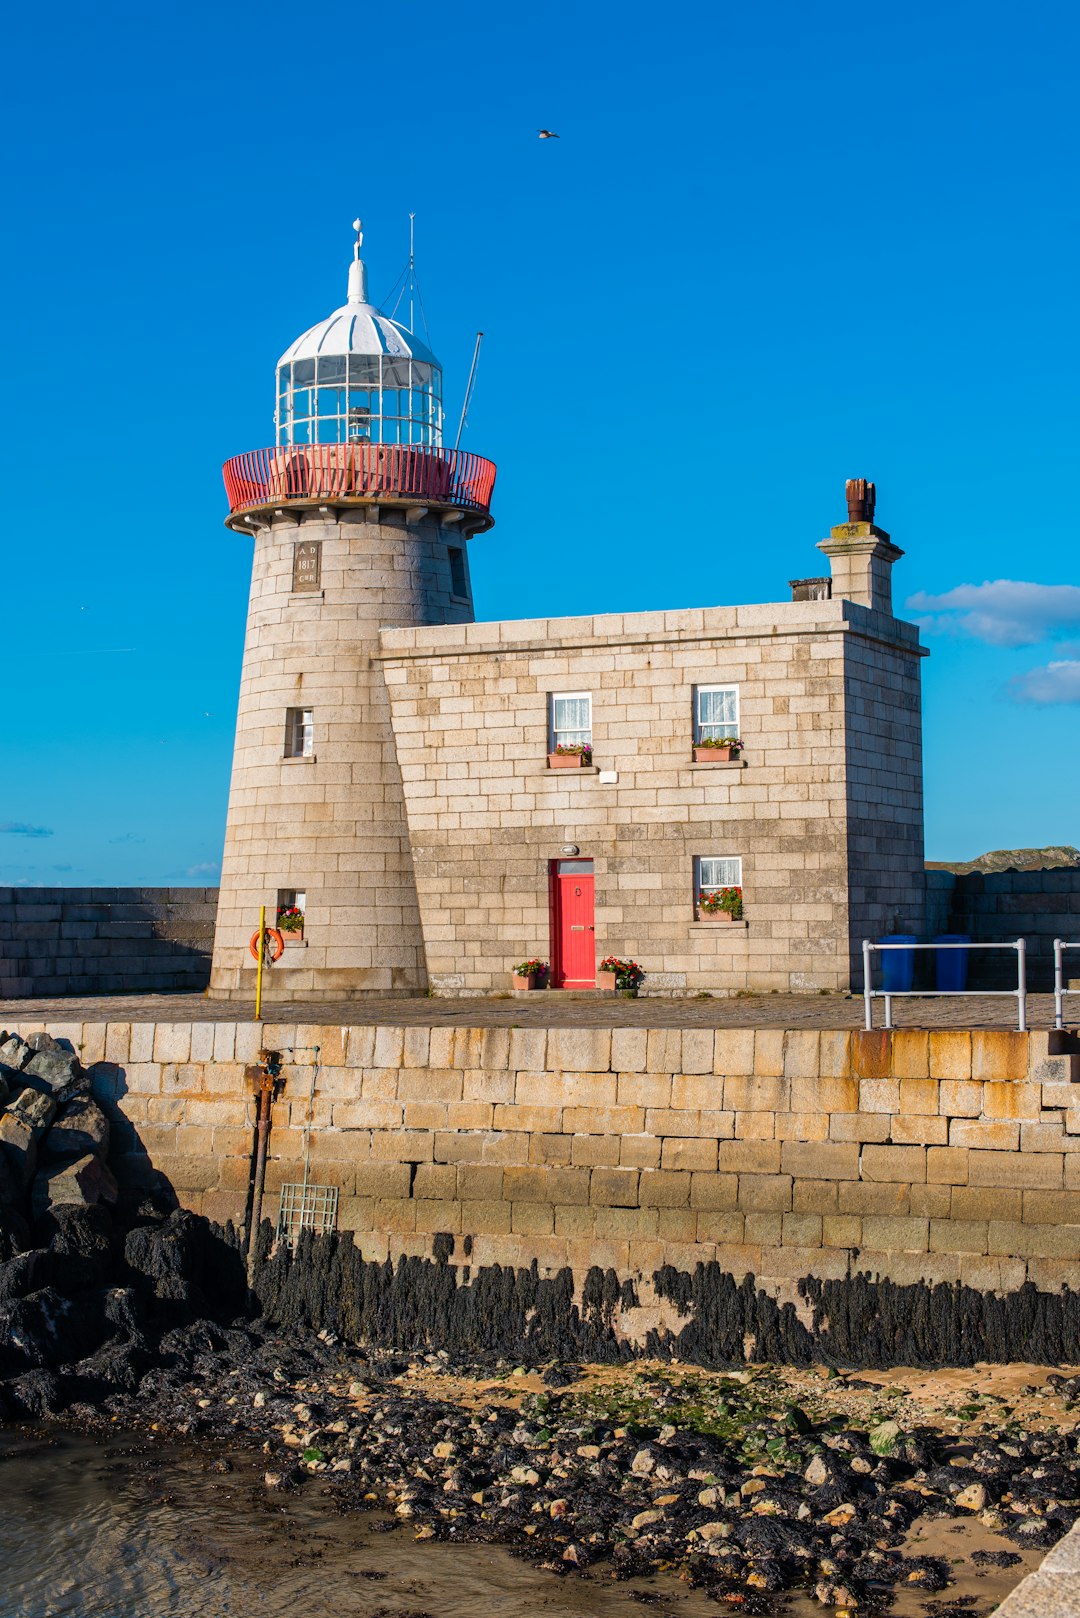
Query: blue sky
point(775, 246)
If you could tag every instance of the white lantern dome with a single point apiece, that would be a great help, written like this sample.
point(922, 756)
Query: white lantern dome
point(359, 376)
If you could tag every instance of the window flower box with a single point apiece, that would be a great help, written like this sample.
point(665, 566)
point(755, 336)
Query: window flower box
point(722, 905)
point(722, 751)
point(570, 757)
point(290, 920)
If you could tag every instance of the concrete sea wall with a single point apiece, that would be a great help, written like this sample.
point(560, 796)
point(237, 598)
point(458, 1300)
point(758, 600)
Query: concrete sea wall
point(71, 941)
point(941, 1156)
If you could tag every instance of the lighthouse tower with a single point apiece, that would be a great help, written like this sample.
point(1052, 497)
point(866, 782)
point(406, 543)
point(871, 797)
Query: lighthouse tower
point(359, 518)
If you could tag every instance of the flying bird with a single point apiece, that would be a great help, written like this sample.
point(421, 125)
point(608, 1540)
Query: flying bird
point(548, 134)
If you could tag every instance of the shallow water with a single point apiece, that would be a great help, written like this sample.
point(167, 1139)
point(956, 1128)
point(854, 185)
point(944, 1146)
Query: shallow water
point(134, 1529)
point(137, 1529)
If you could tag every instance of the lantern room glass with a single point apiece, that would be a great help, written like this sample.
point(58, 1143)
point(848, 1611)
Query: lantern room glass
point(357, 398)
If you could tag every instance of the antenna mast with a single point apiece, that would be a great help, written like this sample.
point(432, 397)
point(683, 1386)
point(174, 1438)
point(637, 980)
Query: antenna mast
point(469, 388)
point(412, 267)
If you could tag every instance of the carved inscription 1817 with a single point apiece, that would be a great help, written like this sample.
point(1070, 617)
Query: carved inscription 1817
point(307, 565)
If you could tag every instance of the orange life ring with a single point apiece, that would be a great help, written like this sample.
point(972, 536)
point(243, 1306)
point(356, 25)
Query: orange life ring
point(275, 944)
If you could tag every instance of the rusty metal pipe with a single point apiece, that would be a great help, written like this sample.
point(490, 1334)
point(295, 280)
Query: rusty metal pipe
point(265, 1075)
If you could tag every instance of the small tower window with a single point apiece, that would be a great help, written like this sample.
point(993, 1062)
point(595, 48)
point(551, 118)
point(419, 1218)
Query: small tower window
point(299, 733)
point(459, 584)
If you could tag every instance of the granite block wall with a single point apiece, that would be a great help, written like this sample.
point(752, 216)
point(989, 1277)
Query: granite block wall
point(73, 941)
point(939, 1156)
point(1037, 905)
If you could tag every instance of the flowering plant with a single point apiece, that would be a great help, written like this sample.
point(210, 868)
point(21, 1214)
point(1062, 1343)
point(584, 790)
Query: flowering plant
point(584, 748)
point(290, 919)
point(628, 974)
point(729, 899)
point(529, 969)
point(734, 742)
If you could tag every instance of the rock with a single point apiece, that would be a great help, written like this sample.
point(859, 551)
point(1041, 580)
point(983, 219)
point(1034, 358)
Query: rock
point(642, 1464)
point(86, 1182)
point(32, 1110)
point(884, 1437)
point(82, 1127)
point(645, 1519)
point(10, 1181)
point(59, 1070)
point(842, 1515)
point(713, 1530)
point(22, 1125)
point(973, 1498)
point(752, 1486)
point(834, 1595)
point(524, 1474)
point(15, 1053)
point(816, 1473)
point(709, 1497)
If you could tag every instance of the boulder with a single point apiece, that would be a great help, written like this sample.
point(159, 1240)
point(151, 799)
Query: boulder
point(15, 1053)
point(85, 1182)
point(53, 1067)
point(22, 1125)
point(81, 1127)
point(11, 1182)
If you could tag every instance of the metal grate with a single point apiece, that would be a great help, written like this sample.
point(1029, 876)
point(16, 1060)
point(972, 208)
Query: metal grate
point(306, 1207)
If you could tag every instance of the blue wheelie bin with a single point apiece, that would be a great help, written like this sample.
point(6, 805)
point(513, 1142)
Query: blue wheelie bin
point(897, 965)
point(951, 965)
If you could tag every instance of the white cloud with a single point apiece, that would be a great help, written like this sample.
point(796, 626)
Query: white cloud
point(1004, 612)
point(1055, 682)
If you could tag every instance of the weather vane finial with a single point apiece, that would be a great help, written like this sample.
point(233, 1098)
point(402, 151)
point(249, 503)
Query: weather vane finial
point(357, 225)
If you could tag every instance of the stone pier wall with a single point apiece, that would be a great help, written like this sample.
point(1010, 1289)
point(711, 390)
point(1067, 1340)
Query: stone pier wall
point(933, 1156)
point(70, 941)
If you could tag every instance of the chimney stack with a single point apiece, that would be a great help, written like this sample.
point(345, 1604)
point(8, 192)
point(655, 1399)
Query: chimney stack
point(861, 555)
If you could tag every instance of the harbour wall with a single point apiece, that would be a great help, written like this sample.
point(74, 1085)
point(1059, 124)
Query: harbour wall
point(73, 941)
point(912, 1156)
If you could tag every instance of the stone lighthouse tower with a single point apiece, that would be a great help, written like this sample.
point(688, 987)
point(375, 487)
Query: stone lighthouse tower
point(359, 518)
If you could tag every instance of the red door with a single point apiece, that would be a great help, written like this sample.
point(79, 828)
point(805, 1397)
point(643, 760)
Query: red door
point(573, 925)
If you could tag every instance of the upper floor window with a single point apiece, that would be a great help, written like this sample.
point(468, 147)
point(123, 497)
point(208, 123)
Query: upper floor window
point(299, 733)
point(571, 719)
point(459, 584)
point(716, 713)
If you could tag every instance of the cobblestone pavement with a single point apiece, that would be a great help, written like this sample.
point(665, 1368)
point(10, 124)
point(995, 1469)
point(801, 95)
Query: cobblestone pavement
point(546, 1009)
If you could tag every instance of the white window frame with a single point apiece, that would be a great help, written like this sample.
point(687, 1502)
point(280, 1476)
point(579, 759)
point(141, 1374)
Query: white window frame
point(300, 733)
point(702, 887)
point(578, 733)
point(700, 729)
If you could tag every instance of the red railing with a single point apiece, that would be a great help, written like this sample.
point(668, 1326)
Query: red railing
point(445, 477)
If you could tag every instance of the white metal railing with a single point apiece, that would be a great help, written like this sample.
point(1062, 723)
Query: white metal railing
point(870, 994)
point(1060, 991)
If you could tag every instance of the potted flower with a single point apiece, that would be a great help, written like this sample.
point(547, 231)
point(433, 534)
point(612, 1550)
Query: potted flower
point(614, 974)
point(290, 921)
point(570, 756)
point(527, 974)
point(717, 749)
point(721, 904)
